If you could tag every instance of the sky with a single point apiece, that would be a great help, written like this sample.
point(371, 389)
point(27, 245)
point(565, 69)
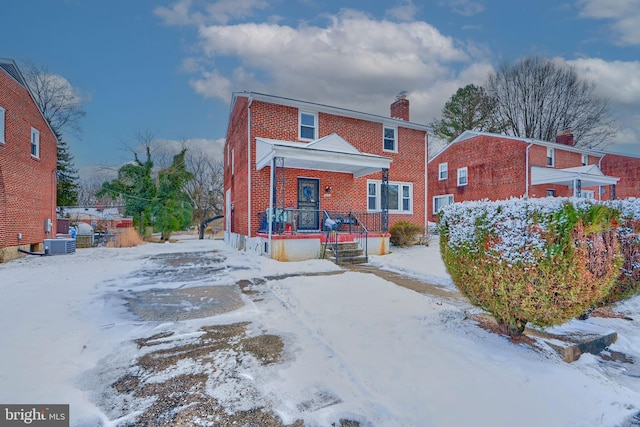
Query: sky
point(355, 346)
point(167, 69)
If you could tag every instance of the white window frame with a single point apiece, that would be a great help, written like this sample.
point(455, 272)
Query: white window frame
point(551, 156)
point(585, 160)
point(233, 161)
point(3, 114)
point(436, 206)
point(315, 125)
point(443, 171)
point(377, 185)
point(463, 173)
point(551, 192)
point(35, 143)
point(588, 194)
point(395, 139)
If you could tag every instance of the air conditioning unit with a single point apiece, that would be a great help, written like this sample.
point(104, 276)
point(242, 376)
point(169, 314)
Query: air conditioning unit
point(59, 246)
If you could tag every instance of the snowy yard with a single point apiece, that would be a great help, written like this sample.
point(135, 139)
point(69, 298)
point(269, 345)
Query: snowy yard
point(195, 332)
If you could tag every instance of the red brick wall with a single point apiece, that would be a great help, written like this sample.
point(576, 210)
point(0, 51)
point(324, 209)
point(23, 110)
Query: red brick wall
point(625, 168)
point(27, 184)
point(347, 193)
point(497, 170)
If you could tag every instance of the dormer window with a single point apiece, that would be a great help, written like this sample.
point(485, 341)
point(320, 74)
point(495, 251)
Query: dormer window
point(308, 125)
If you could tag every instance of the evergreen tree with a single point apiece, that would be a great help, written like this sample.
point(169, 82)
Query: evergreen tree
point(67, 174)
point(470, 108)
point(173, 210)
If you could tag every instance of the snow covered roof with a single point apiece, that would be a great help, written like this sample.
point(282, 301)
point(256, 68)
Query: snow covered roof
point(331, 153)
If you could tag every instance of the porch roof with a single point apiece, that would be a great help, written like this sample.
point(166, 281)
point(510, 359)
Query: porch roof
point(590, 176)
point(331, 153)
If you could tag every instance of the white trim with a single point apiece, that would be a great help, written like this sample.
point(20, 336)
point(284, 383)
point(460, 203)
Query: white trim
point(443, 167)
point(395, 138)
point(433, 201)
point(378, 196)
point(300, 125)
point(331, 153)
point(2, 125)
point(591, 176)
point(551, 154)
point(35, 143)
point(466, 176)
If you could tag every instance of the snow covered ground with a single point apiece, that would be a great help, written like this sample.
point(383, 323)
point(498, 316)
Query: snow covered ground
point(356, 347)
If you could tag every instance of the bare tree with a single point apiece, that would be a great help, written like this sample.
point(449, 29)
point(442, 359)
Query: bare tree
point(539, 98)
point(206, 189)
point(62, 108)
point(59, 102)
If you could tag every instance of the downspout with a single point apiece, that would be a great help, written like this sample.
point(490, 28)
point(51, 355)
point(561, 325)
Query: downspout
point(249, 166)
point(526, 193)
point(599, 186)
point(426, 180)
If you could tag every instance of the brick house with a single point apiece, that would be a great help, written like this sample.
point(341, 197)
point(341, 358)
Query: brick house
point(290, 165)
point(27, 168)
point(480, 165)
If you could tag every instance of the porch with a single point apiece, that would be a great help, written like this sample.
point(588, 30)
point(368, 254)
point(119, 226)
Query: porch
point(308, 231)
point(345, 237)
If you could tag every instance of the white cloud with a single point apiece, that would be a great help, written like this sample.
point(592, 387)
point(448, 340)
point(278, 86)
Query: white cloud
point(354, 61)
point(405, 11)
point(183, 12)
point(618, 82)
point(464, 7)
point(623, 14)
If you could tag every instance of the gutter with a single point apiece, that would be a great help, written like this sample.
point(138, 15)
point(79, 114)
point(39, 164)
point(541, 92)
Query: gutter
point(249, 166)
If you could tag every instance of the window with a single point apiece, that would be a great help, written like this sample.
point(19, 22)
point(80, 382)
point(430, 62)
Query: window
point(550, 156)
point(442, 171)
point(551, 192)
point(400, 198)
point(389, 139)
point(462, 176)
point(308, 125)
point(440, 201)
point(587, 194)
point(233, 161)
point(585, 159)
point(35, 143)
point(372, 199)
point(2, 114)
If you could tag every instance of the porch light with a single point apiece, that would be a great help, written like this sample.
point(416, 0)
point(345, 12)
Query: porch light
point(327, 189)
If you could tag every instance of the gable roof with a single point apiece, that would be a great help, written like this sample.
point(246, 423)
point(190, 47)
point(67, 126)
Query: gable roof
point(468, 134)
point(11, 68)
point(331, 153)
point(338, 111)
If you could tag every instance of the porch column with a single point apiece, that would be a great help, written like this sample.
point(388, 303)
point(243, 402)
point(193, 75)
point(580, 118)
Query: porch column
point(384, 199)
point(578, 188)
point(613, 191)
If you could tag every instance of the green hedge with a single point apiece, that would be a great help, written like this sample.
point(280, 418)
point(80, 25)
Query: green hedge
point(542, 261)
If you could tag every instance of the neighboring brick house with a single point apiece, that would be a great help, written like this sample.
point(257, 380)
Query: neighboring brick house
point(480, 165)
point(292, 164)
point(27, 168)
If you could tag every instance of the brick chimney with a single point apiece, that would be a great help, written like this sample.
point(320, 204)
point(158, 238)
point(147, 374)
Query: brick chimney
point(400, 107)
point(565, 137)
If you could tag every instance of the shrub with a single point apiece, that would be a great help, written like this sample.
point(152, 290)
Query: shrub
point(628, 282)
point(404, 233)
point(542, 261)
point(126, 238)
